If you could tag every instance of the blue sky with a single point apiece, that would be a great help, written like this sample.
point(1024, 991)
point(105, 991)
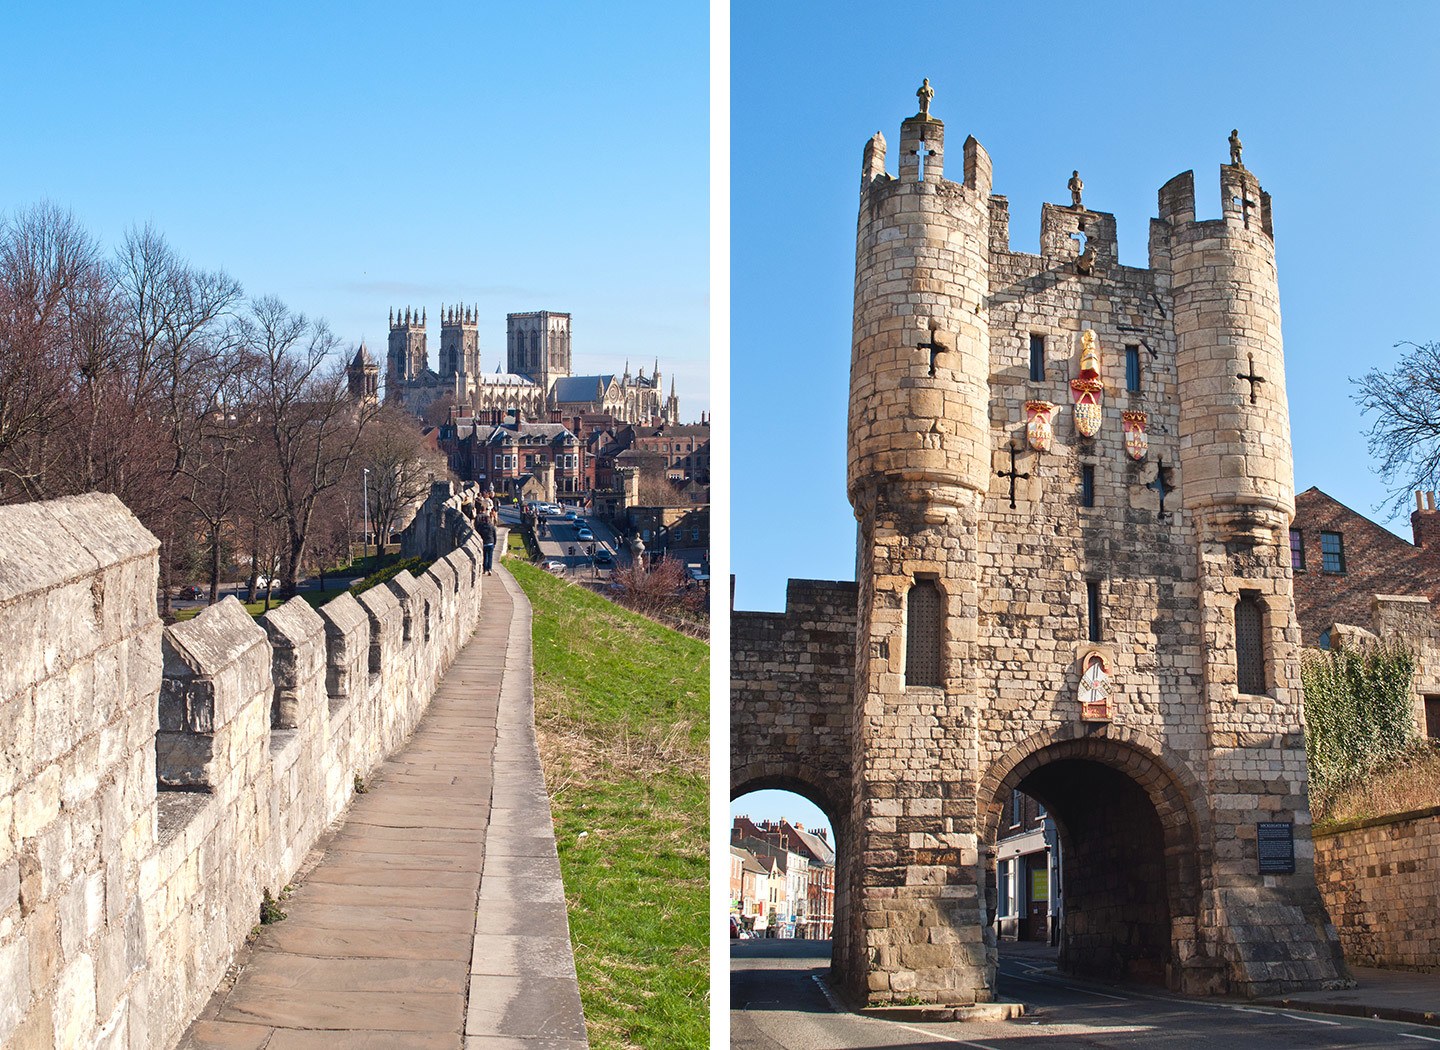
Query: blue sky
point(1337, 113)
point(350, 157)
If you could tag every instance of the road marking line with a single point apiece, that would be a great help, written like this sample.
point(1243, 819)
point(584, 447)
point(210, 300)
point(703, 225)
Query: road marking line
point(1312, 1020)
point(837, 1008)
point(942, 1038)
point(1428, 1039)
point(1087, 991)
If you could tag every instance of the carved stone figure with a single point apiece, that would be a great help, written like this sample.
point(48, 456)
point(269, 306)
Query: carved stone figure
point(1094, 688)
point(1076, 188)
point(1235, 147)
point(925, 94)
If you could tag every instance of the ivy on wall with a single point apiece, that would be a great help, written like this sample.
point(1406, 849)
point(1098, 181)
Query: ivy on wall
point(1358, 713)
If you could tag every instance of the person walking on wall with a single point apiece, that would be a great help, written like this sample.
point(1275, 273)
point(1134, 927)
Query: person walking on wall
point(486, 528)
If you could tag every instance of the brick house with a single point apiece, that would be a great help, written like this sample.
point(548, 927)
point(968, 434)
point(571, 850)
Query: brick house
point(504, 452)
point(1356, 579)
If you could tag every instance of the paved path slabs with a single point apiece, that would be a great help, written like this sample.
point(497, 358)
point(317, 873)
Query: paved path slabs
point(436, 917)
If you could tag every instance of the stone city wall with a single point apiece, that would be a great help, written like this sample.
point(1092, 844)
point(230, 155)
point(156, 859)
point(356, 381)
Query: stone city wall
point(155, 782)
point(1378, 879)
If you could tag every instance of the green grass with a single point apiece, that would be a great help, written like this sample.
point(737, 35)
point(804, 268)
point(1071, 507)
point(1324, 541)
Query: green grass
point(622, 708)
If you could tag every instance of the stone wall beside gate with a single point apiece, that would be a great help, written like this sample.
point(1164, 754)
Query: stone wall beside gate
point(1378, 878)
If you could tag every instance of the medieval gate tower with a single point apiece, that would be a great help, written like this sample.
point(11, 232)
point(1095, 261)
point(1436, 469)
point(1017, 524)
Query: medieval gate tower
point(1063, 468)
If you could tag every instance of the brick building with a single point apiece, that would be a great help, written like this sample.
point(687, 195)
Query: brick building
point(508, 450)
point(1341, 560)
point(1027, 873)
point(1356, 580)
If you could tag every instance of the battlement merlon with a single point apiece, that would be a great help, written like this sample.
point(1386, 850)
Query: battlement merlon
point(923, 139)
point(1242, 200)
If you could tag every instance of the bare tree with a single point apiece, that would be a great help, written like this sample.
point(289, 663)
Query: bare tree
point(312, 425)
point(402, 466)
point(49, 267)
point(1404, 437)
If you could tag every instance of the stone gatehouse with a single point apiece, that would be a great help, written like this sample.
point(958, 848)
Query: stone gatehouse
point(1061, 466)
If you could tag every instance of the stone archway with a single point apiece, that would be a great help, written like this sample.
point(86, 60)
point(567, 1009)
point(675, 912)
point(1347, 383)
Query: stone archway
point(1132, 840)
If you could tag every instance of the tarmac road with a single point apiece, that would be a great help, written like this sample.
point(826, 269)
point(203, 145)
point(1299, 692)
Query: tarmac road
point(780, 1002)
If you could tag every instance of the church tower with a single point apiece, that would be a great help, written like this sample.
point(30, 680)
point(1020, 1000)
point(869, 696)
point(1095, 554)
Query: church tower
point(460, 346)
point(407, 358)
point(919, 465)
point(538, 346)
point(362, 377)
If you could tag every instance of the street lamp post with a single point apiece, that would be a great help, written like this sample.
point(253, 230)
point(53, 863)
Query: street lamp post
point(365, 483)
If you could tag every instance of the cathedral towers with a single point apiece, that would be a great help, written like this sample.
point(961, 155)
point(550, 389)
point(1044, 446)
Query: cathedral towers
point(538, 346)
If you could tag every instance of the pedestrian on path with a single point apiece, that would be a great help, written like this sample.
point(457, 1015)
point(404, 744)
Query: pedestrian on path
point(486, 528)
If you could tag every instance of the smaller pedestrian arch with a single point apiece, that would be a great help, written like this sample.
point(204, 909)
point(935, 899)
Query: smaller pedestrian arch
point(1132, 834)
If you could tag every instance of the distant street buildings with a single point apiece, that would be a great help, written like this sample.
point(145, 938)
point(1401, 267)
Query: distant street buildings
point(782, 879)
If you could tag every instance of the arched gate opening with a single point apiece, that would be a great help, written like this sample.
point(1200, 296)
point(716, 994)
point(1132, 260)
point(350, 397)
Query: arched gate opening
point(1128, 839)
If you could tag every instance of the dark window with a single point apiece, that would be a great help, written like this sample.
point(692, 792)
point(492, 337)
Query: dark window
point(1017, 809)
point(1087, 485)
point(1325, 638)
point(1092, 609)
point(1037, 358)
point(1432, 717)
point(922, 634)
point(1250, 644)
point(1332, 552)
point(1297, 550)
point(1132, 368)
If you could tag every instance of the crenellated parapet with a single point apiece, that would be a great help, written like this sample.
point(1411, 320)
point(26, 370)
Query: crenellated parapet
point(170, 776)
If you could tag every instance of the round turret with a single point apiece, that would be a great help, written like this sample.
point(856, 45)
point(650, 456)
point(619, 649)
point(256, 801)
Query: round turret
point(1235, 453)
point(919, 387)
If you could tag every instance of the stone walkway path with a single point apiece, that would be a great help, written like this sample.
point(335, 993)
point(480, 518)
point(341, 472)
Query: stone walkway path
point(436, 918)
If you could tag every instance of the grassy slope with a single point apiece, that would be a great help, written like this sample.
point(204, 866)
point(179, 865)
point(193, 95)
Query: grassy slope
point(621, 709)
point(1409, 783)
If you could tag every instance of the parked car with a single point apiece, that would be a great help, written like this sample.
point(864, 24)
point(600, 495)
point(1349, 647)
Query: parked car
point(192, 593)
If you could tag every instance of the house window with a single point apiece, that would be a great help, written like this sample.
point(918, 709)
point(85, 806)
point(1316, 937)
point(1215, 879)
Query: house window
point(1087, 485)
point(1037, 358)
point(1332, 552)
point(1432, 717)
point(1092, 609)
point(1002, 881)
point(1297, 550)
point(922, 634)
point(1132, 369)
point(1017, 809)
point(1249, 644)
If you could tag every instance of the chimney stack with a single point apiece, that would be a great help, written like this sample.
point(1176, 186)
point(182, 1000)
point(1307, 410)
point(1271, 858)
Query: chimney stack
point(1424, 522)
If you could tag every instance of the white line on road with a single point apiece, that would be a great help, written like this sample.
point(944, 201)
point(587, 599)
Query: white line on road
point(1312, 1020)
point(1087, 991)
point(941, 1038)
point(1428, 1039)
point(835, 1005)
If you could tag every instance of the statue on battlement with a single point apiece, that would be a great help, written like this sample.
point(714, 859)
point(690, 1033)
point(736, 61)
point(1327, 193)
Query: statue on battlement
point(1235, 147)
point(1076, 187)
point(925, 94)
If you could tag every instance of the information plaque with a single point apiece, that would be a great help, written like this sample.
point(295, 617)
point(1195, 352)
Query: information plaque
point(1275, 840)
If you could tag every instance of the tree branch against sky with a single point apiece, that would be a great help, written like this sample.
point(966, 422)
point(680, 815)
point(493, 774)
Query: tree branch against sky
point(1404, 437)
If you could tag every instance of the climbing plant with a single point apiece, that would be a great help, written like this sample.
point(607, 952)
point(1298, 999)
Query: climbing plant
point(1358, 712)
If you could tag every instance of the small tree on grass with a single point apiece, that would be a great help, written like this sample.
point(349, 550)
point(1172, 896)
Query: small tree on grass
point(1358, 713)
point(663, 589)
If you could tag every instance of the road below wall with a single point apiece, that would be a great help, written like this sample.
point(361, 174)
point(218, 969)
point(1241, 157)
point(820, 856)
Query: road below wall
point(779, 1001)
